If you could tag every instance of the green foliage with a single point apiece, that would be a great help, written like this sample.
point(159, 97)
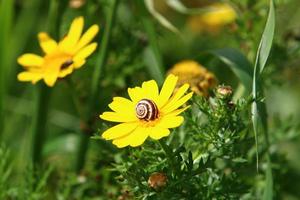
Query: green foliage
point(31, 187)
point(213, 155)
point(210, 163)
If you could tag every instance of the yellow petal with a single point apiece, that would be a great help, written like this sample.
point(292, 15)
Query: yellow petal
point(119, 130)
point(63, 73)
point(29, 76)
point(170, 121)
point(69, 42)
point(177, 104)
point(122, 105)
point(29, 60)
point(87, 37)
point(79, 63)
point(167, 90)
point(135, 94)
point(85, 52)
point(157, 133)
point(47, 44)
point(134, 139)
point(50, 79)
point(178, 111)
point(117, 117)
point(180, 92)
point(150, 90)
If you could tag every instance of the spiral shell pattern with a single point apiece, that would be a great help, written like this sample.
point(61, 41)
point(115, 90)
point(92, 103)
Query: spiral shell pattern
point(146, 110)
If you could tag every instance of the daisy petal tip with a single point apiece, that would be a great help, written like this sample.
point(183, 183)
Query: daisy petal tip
point(96, 27)
point(79, 19)
point(119, 145)
point(172, 76)
point(102, 116)
point(42, 35)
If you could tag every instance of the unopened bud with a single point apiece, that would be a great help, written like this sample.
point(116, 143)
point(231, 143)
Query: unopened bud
point(157, 180)
point(224, 92)
point(76, 3)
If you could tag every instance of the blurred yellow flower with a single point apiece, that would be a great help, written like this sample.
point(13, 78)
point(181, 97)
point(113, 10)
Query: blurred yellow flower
point(191, 72)
point(60, 58)
point(219, 15)
point(148, 113)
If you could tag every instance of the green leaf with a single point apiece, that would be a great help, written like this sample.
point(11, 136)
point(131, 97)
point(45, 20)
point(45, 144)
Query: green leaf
point(160, 18)
point(258, 111)
point(267, 38)
point(238, 63)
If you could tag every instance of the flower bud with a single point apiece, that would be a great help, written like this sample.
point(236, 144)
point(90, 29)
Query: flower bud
point(157, 180)
point(224, 92)
point(76, 3)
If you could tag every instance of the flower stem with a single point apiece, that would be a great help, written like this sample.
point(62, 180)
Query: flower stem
point(39, 122)
point(43, 93)
point(102, 55)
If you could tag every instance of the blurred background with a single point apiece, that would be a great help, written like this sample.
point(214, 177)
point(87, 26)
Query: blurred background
point(183, 30)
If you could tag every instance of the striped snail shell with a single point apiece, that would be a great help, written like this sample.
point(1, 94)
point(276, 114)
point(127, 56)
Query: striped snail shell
point(146, 110)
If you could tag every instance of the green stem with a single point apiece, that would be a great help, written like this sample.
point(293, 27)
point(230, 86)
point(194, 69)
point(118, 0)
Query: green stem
point(6, 15)
point(39, 122)
point(42, 101)
point(157, 71)
point(102, 56)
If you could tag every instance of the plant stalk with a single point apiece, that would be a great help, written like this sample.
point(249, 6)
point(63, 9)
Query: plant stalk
point(39, 122)
point(6, 17)
point(43, 93)
point(100, 62)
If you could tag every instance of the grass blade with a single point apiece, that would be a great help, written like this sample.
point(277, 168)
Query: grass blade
point(258, 110)
point(267, 38)
point(161, 19)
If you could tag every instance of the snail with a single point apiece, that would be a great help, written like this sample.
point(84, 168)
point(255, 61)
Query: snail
point(146, 110)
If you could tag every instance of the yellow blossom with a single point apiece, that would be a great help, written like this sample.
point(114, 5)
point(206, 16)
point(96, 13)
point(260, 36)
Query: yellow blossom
point(148, 113)
point(219, 15)
point(191, 72)
point(60, 58)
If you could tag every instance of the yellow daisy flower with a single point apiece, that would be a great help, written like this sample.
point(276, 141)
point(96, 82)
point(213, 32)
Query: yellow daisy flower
point(148, 113)
point(60, 58)
point(200, 79)
point(220, 15)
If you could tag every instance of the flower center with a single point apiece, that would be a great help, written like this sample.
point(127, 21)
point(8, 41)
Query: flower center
point(146, 110)
point(58, 61)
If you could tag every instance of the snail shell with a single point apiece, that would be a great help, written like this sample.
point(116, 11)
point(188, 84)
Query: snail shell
point(146, 110)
